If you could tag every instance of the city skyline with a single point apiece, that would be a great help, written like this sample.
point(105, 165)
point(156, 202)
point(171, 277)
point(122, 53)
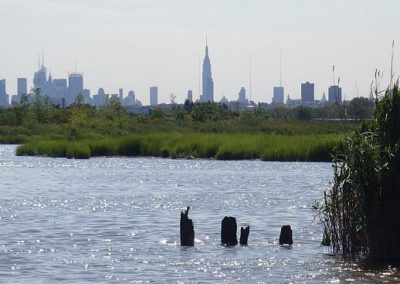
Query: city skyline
point(137, 44)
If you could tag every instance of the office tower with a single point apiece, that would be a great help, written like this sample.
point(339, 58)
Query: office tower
point(153, 96)
point(3, 94)
point(307, 92)
point(121, 94)
point(86, 96)
point(22, 86)
point(334, 94)
point(60, 87)
point(131, 95)
point(100, 98)
point(40, 79)
point(208, 83)
point(242, 96)
point(75, 87)
point(190, 95)
point(278, 96)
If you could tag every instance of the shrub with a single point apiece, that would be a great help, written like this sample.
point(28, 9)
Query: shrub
point(360, 213)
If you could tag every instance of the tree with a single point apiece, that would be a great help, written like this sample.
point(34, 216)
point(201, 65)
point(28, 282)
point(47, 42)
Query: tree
point(188, 105)
point(302, 113)
point(360, 108)
point(115, 112)
point(21, 109)
point(42, 110)
point(78, 116)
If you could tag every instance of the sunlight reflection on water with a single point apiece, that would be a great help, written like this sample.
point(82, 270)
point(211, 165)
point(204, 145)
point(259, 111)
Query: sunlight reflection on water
point(117, 219)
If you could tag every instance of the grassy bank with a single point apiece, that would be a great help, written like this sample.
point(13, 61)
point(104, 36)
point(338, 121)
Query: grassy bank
point(222, 146)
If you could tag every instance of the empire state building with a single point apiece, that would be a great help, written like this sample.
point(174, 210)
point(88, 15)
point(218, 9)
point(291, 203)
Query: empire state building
point(208, 83)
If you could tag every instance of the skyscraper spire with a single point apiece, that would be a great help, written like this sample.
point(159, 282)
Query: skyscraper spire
point(206, 47)
point(208, 83)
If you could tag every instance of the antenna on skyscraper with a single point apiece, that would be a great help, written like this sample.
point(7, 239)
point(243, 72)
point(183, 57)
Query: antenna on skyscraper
point(251, 89)
point(280, 68)
point(42, 57)
point(199, 74)
point(75, 65)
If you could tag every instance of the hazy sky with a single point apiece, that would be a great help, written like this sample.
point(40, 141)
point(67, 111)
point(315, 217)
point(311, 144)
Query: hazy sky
point(134, 44)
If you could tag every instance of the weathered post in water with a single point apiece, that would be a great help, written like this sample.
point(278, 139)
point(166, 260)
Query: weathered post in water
point(286, 236)
point(228, 231)
point(187, 229)
point(244, 235)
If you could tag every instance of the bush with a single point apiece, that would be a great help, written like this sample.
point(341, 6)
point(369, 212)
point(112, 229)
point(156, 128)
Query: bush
point(360, 213)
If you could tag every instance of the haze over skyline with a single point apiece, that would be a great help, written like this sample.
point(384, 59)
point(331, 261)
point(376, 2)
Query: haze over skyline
point(141, 43)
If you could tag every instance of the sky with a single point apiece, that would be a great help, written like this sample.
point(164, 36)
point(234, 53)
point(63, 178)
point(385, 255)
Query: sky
point(135, 44)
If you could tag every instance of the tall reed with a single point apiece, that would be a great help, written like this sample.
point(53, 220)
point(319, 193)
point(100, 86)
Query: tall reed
point(361, 212)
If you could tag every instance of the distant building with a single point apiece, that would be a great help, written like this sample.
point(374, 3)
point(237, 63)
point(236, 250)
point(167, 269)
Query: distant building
point(190, 95)
point(278, 96)
point(100, 99)
point(242, 96)
point(323, 100)
point(60, 87)
point(87, 99)
point(40, 79)
point(75, 87)
point(3, 94)
point(334, 94)
point(153, 96)
point(208, 83)
point(22, 86)
point(292, 103)
point(130, 100)
point(121, 94)
point(224, 101)
point(307, 93)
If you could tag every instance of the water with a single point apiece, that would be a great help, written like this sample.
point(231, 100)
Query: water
point(117, 220)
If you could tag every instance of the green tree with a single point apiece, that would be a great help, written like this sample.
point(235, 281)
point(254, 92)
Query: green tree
point(116, 113)
point(360, 108)
point(42, 110)
point(303, 113)
point(78, 116)
point(21, 109)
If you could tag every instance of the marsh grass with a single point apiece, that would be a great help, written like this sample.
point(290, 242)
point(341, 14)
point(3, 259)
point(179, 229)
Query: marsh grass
point(232, 146)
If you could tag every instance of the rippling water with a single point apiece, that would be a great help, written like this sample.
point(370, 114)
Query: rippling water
point(117, 220)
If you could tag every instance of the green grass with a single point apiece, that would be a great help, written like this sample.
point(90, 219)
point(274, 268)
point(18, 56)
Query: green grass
point(222, 146)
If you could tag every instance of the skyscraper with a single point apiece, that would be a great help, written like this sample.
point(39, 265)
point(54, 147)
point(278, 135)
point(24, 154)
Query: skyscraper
point(121, 95)
point(307, 92)
point(3, 94)
point(208, 83)
point(334, 94)
point(242, 96)
point(278, 97)
point(22, 86)
point(75, 87)
point(40, 79)
point(190, 95)
point(153, 96)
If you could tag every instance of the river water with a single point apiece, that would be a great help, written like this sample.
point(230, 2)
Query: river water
point(117, 220)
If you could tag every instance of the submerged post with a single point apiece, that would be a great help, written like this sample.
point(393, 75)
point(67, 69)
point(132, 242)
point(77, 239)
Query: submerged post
point(286, 236)
point(228, 231)
point(187, 229)
point(244, 235)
